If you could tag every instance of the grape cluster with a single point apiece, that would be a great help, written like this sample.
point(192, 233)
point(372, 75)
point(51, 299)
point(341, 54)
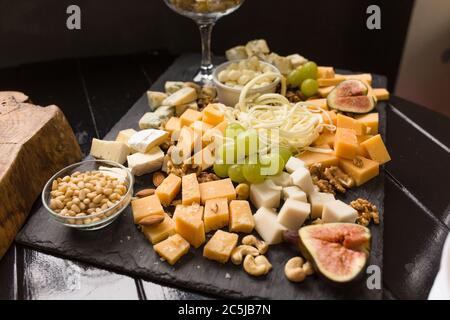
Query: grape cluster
point(304, 78)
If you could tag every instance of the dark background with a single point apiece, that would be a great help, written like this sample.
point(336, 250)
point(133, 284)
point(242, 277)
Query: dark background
point(329, 31)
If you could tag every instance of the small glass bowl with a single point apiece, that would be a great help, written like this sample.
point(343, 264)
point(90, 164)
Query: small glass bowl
point(107, 216)
point(229, 96)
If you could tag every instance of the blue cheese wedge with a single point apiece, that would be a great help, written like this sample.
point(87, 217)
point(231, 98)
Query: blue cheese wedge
point(296, 60)
point(150, 120)
point(173, 86)
point(256, 48)
point(183, 96)
point(236, 53)
point(110, 150)
point(155, 99)
point(142, 163)
point(182, 108)
point(144, 140)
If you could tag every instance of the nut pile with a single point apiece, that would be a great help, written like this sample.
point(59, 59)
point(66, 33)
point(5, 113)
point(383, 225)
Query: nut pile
point(366, 212)
point(251, 255)
point(330, 179)
point(85, 194)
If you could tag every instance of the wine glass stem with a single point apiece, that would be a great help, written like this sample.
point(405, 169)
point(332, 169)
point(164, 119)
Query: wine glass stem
point(206, 64)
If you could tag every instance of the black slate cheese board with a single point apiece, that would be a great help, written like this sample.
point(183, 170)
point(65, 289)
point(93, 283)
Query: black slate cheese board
point(123, 248)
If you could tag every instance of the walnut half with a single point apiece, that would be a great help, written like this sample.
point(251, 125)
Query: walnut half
point(366, 211)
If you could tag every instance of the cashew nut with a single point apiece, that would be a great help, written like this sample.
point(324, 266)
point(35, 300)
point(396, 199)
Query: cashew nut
point(257, 266)
point(296, 269)
point(251, 240)
point(238, 253)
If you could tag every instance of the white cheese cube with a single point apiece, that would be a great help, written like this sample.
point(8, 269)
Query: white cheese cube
point(267, 226)
point(155, 99)
point(173, 86)
point(317, 200)
point(142, 163)
point(293, 164)
point(183, 96)
point(296, 60)
point(150, 120)
point(283, 179)
point(236, 53)
point(294, 192)
point(110, 150)
point(338, 211)
point(265, 194)
point(125, 135)
point(144, 140)
point(282, 63)
point(302, 178)
point(293, 214)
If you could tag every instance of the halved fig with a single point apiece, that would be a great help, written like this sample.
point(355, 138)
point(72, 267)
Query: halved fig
point(351, 96)
point(338, 251)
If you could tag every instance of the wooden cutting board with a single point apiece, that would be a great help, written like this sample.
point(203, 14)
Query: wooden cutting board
point(35, 142)
point(122, 248)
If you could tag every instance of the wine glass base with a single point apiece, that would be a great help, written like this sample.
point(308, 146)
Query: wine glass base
point(202, 78)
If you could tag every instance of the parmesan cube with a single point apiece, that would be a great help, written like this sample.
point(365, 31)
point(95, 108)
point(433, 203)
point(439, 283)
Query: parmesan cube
point(293, 164)
point(338, 211)
point(265, 194)
point(294, 192)
point(283, 179)
point(267, 226)
point(317, 200)
point(142, 163)
point(293, 214)
point(302, 178)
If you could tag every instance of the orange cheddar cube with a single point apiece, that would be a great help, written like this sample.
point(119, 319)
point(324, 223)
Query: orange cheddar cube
point(371, 121)
point(220, 245)
point(325, 72)
point(376, 149)
point(241, 217)
point(321, 103)
point(326, 82)
point(188, 140)
point(204, 158)
point(146, 207)
point(345, 143)
point(217, 131)
point(172, 249)
point(173, 125)
point(189, 224)
point(351, 123)
point(168, 189)
point(200, 126)
point(190, 191)
point(161, 231)
point(369, 170)
point(217, 189)
point(212, 114)
point(326, 159)
point(325, 91)
point(216, 214)
point(328, 116)
point(361, 150)
point(381, 94)
point(325, 138)
point(190, 116)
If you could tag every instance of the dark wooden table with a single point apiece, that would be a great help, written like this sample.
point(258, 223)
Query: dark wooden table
point(94, 93)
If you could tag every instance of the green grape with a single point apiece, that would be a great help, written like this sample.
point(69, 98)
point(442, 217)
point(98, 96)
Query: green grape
point(285, 153)
point(233, 130)
point(271, 164)
point(221, 170)
point(247, 143)
point(226, 153)
point(252, 173)
point(309, 70)
point(295, 78)
point(309, 87)
point(235, 173)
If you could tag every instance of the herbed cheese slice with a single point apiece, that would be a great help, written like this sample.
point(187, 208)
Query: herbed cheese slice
point(142, 163)
point(144, 140)
point(183, 96)
point(110, 150)
point(155, 99)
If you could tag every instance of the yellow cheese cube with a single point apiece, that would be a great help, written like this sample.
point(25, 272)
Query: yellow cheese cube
point(173, 125)
point(187, 140)
point(161, 231)
point(361, 150)
point(217, 189)
point(200, 126)
point(365, 77)
point(369, 170)
point(326, 82)
point(376, 149)
point(168, 189)
point(216, 214)
point(381, 94)
point(241, 217)
point(345, 143)
point(189, 223)
point(190, 191)
point(218, 130)
point(145, 207)
point(212, 114)
point(351, 123)
point(204, 158)
point(370, 120)
point(325, 91)
point(325, 72)
point(329, 117)
point(220, 245)
point(326, 159)
point(125, 135)
point(321, 103)
point(190, 116)
point(326, 137)
point(172, 249)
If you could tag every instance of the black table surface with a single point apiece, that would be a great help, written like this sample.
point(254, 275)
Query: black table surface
point(95, 92)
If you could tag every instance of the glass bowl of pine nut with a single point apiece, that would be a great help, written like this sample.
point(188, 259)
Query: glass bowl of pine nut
point(88, 195)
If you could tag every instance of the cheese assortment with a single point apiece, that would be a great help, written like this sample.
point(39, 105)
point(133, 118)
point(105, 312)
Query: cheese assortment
point(212, 153)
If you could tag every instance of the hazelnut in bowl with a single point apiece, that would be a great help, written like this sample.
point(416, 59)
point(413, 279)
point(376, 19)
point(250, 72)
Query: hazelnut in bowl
point(230, 77)
point(88, 195)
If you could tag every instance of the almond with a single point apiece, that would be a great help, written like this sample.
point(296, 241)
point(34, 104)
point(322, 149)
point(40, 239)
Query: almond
point(145, 193)
point(151, 220)
point(158, 178)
